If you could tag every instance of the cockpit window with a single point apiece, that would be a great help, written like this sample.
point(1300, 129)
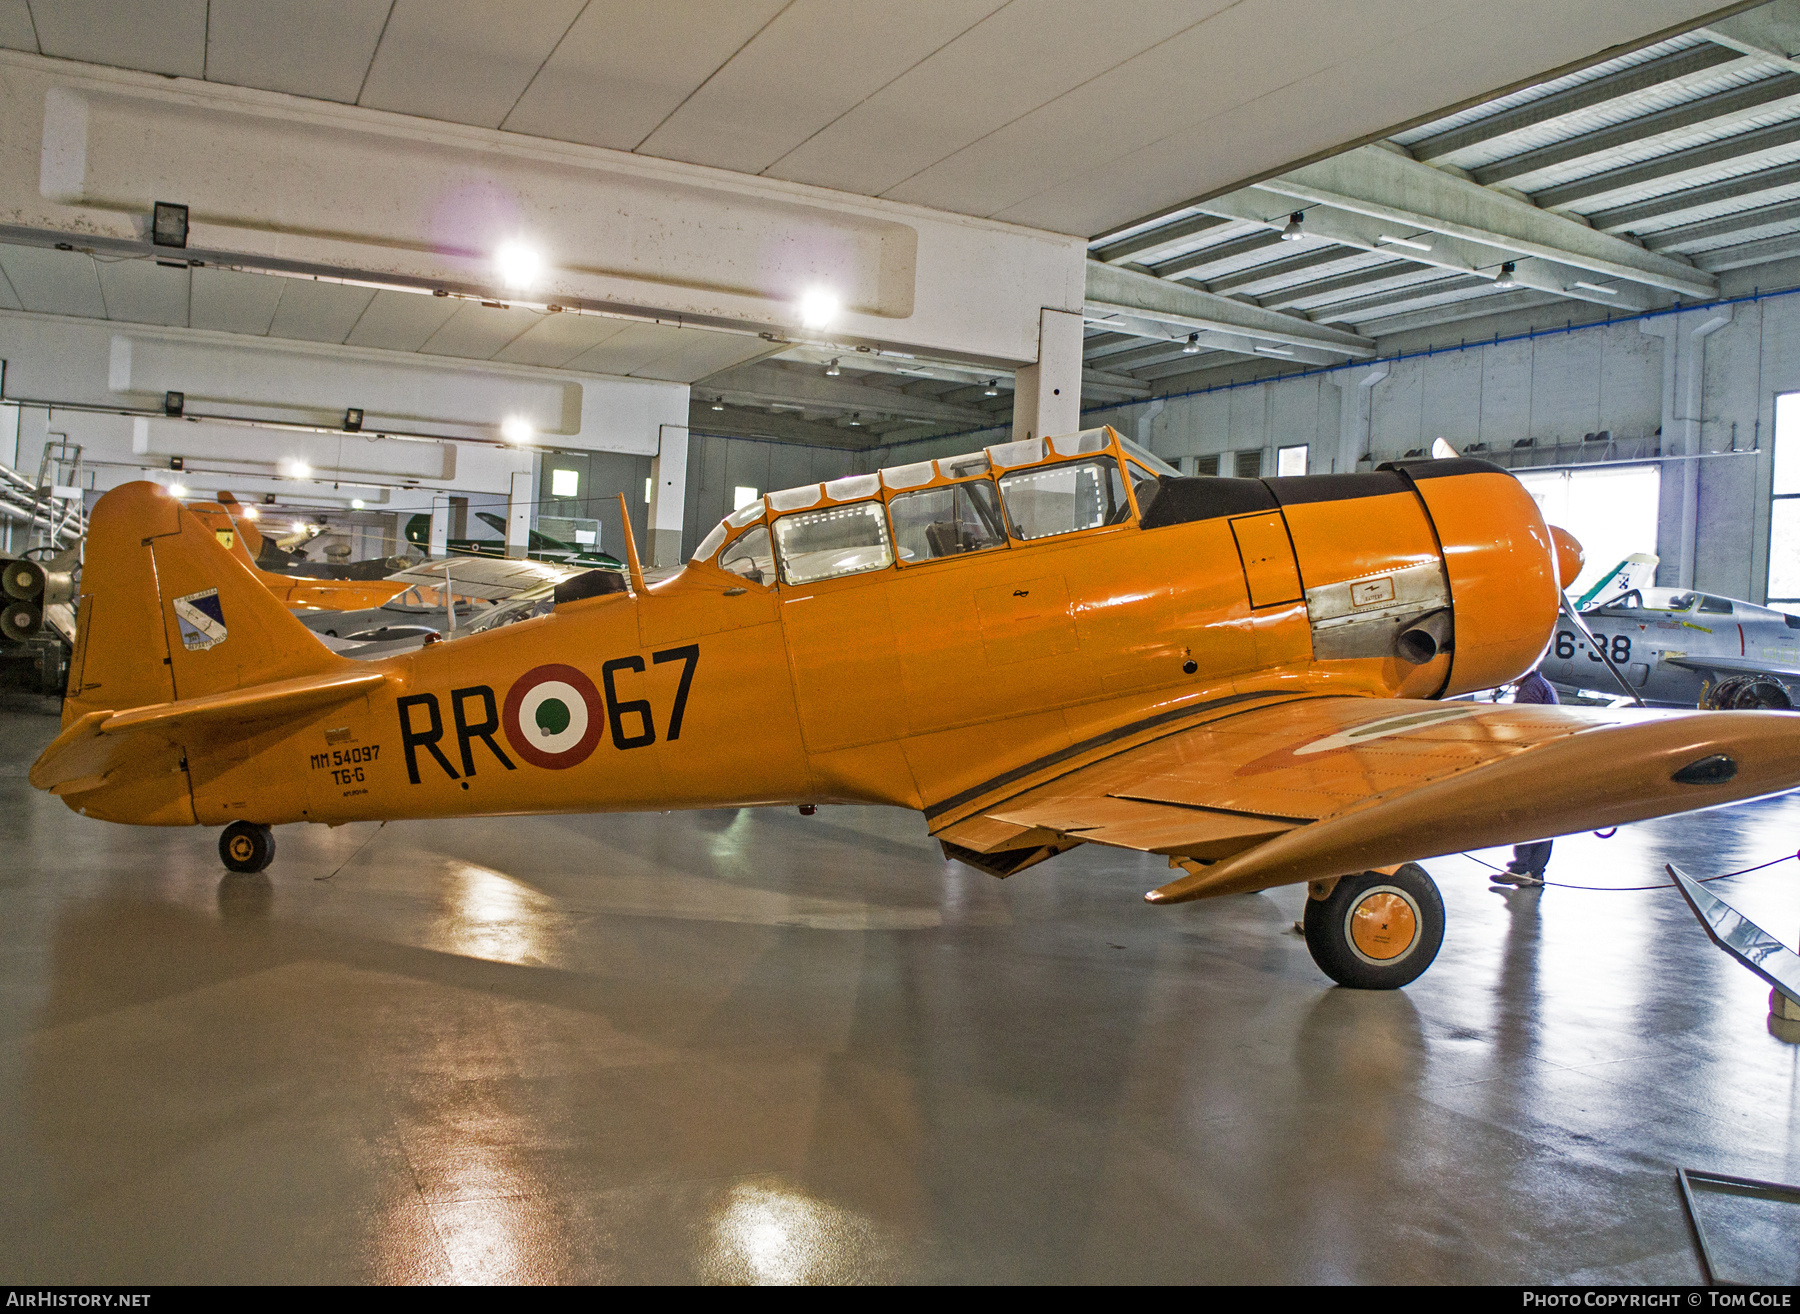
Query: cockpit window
point(1147, 458)
point(843, 540)
point(1144, 486)
point(1061, 499)
point(946, 522)
point(1717, 606)
point(751, 557)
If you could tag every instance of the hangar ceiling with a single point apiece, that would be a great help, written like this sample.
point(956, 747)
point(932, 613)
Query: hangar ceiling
point(1626, 185)
point(1059, 114)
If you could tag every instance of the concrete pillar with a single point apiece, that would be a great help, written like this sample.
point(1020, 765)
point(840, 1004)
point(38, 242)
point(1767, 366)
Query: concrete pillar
point(668, 496)
point(518, 514)
point(1683, 395)
point(1145, 419)
point(1355, 397)
point(1047, 395)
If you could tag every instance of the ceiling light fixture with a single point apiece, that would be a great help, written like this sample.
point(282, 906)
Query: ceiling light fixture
point(178, 490)
point(356, 504)
point(832, 370)
point(1506, 282)
point(855, 423)
point(818, 307)
point(516, 429)
point(718, 403)
point(1601, 288)
point(249, 512)
point(1407, 242)
point(298, 470)
point(1296, 227)
point(519, 265)
point(992, 389)
point(1192, 346)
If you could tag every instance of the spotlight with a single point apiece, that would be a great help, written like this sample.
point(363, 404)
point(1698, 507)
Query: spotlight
point(298, 527)
point(855, 421)
point(818, 307)
point(718, 403)
point(353, 420)
point(178, 490)
point(249, 512)
point(518, 264)
point(298, 470)
point(832, 370)
point(1296, 227)
point(268, 499)
point(169, 225)
point(992, 389)
point(1192, 346)
point(516, 429)
point(356, 504)
point(1506, 282)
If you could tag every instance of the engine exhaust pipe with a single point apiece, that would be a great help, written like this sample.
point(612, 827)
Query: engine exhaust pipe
point(1425, 638)
point(23, 579)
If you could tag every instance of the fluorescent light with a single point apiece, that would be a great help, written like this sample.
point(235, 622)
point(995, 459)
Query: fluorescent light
point(1407, 242)
point(1601, 288)
point(516, 429)
point(519, 265)
point(818, 307)
point(1295, 230)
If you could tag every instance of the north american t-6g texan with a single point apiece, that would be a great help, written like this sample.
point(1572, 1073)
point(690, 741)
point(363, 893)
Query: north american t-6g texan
point(1044, 644)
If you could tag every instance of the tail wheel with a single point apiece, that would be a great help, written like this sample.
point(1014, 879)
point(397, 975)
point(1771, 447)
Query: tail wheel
point(247, 847)
point(1375, 931)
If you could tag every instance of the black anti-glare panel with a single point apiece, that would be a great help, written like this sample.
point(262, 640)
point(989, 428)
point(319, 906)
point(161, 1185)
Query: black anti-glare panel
point(1184, 498)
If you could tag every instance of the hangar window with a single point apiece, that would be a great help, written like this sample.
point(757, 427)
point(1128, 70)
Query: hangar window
point(946, 522)
point(1784, 508)
point(750, 557)
point(844, 540)
point(1061, 499)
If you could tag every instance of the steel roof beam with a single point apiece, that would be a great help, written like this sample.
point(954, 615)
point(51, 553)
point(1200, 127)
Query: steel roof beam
point(1724, 225)
point(1153, 240)
point(1724, 104)
point(1667, 166)
point(1624, 216)
point(1185, 265)
point(1124, 295)
point(1651, 73)
point(1380, 185)
point(1263, 273)
point(1779, 247)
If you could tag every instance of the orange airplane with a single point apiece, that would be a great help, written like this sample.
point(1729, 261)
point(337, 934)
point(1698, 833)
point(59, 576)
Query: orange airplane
point(1045, 644)
point(241, 537)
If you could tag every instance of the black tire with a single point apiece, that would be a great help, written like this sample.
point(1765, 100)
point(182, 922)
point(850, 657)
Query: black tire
point(1368, 957)
point(247, 847)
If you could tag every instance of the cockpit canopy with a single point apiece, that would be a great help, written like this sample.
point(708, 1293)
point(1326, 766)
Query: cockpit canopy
point(1659, 599)
point(1012, 493)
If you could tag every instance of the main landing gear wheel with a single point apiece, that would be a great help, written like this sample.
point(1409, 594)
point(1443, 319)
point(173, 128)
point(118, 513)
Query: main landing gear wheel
point(1375, 931)
point(246, 847)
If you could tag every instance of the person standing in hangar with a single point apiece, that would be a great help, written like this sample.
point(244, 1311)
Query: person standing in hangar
point(1529, 860)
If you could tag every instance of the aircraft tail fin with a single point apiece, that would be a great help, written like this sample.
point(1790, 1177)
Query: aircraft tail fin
point(168, 612)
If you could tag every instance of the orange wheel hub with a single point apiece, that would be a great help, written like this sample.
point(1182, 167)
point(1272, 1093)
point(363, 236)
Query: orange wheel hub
point(1383, 926)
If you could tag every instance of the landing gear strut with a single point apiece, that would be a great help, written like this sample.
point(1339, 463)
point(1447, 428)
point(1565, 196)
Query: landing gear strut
point(247, 847)
point(1375, 931)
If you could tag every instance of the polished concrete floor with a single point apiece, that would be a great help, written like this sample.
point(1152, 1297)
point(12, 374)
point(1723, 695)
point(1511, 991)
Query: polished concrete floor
point(754, 1046)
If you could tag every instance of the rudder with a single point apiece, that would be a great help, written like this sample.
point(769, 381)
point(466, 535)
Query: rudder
point(167, 612)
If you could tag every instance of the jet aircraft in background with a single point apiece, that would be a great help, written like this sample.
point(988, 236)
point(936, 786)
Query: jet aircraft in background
point(1045, 644)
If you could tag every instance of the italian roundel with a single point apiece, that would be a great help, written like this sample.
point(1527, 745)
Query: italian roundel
point(553, 716)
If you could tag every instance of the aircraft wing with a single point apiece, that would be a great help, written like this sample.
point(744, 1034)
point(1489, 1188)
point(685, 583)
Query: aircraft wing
point(492, 579)
point(88, 749)
point(1736, 666)
point(1315, 787)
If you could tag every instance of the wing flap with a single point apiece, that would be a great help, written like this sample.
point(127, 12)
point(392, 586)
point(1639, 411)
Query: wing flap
point(1140, 824)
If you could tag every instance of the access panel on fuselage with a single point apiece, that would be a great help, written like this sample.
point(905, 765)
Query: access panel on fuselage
point(1268, 559)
